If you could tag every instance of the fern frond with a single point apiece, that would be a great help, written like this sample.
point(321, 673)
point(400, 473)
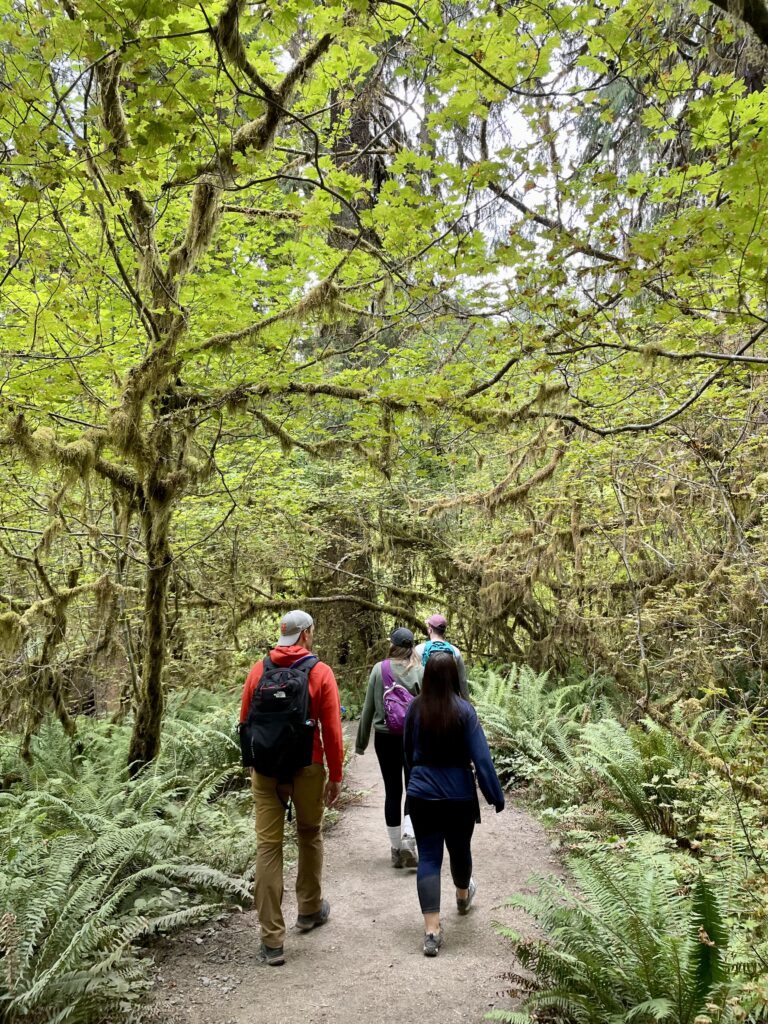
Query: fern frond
point(628, 947)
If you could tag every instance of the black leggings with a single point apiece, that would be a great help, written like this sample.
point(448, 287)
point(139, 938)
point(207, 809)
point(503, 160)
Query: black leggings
point(436, 822)
point(389, 750)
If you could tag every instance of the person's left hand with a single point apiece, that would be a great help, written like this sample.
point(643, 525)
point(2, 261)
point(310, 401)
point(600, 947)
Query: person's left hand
point(332, 793)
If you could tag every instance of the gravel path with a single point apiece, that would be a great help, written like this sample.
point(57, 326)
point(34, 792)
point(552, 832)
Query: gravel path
point(366, 964)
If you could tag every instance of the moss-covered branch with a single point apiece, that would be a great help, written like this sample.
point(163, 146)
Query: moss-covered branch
point(504, 493)
point(280, 604)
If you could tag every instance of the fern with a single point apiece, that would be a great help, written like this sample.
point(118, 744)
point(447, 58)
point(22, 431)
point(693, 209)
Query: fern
point(533, 725)
point(647, 775)
point(648, 939)
point(635, 946)
point(97, 863)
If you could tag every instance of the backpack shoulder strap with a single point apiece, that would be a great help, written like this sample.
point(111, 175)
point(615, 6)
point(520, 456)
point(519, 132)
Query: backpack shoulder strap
point(306, 664)
point(267, 666)
point(387, 677)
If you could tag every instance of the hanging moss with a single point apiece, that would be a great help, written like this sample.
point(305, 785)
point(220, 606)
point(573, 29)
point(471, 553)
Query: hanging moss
point(80, 455)
point(203, 220)
point(45, 437)
point(11, 632)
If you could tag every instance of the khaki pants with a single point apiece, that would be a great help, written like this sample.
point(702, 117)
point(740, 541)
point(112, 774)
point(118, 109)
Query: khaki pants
point(307, 792)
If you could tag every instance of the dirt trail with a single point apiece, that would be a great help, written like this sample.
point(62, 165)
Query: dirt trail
point(366, 964)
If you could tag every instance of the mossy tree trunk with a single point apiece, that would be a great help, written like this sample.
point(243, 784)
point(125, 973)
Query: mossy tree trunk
point(157, 448)
point(349, 635)
point(145, 738)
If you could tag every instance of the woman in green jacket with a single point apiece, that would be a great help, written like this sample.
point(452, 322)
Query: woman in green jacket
point(404, 667)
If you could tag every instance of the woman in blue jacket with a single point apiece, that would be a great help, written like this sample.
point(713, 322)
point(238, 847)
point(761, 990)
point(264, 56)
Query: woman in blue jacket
point(442, 741)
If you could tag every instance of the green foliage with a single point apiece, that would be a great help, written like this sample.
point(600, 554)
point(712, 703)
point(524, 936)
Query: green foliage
point(650, 781)
point(332, 335)
point(563, 739)
point(669, 918)
point(74, 914)
point(533, 722)
point(442, 350)
point(96, 864)
point(639, 943)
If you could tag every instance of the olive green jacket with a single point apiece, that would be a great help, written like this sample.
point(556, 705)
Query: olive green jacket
point(373, 706)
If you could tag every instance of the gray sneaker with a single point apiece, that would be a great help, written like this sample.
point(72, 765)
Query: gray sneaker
point(432, 942)
point(409, 857)
point(463, 905)
point(306, 922)
point(271, 955)
point(397, 861)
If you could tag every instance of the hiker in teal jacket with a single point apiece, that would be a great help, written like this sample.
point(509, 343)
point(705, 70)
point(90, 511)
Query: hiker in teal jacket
point(406, 669)
point(436, 629)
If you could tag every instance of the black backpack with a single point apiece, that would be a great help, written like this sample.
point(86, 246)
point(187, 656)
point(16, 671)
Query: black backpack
point(277, 737)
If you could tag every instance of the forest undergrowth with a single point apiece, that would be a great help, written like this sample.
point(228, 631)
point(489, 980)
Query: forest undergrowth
point(96, 865)
point(667, 917)
point(663, 918)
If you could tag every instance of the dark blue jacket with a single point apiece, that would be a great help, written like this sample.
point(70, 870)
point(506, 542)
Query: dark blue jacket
point(452, 778)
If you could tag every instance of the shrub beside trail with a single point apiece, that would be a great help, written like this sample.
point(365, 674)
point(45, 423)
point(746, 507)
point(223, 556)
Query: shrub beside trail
point(667, 856)
point(96, 864)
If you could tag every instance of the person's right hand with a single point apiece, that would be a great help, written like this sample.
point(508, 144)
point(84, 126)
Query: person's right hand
point(332, 793)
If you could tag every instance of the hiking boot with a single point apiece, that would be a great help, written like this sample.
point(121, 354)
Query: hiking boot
point(306, 922)
point(397, 861)
point(409, 857)
point(463, 905)
point(432, 942)
point(271, 955)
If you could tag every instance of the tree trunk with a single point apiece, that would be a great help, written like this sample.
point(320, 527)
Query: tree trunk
point(349, 636)
point(145, 739)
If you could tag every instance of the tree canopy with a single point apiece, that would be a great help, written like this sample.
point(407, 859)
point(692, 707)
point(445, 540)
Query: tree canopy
point(380, 307)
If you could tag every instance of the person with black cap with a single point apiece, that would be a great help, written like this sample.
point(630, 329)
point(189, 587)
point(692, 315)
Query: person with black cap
point(437, 625)
point(402, 668)
point(309, 790)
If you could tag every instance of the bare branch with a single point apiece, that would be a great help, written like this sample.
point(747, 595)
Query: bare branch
point(634, 428)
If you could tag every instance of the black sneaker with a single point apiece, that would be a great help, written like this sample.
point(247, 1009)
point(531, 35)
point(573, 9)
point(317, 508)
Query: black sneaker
point(306, 922)
point(432, 942)
point(271, 955)
point(463, 905)
point(395, 857)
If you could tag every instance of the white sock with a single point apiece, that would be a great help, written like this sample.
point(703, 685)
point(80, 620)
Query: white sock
point(407, 827)
point(393, 831)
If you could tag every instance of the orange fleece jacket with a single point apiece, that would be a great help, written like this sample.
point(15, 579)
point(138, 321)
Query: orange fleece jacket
point(324, 705)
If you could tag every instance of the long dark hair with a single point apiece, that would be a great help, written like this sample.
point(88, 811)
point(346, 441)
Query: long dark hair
point(440, 719)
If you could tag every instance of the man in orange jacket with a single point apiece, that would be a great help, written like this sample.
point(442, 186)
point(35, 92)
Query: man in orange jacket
point(308, 790)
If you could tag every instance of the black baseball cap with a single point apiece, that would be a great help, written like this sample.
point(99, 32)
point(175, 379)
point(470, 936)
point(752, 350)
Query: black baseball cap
point(401, 637)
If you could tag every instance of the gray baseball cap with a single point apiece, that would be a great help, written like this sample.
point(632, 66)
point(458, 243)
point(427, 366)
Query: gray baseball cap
point(292, 625)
